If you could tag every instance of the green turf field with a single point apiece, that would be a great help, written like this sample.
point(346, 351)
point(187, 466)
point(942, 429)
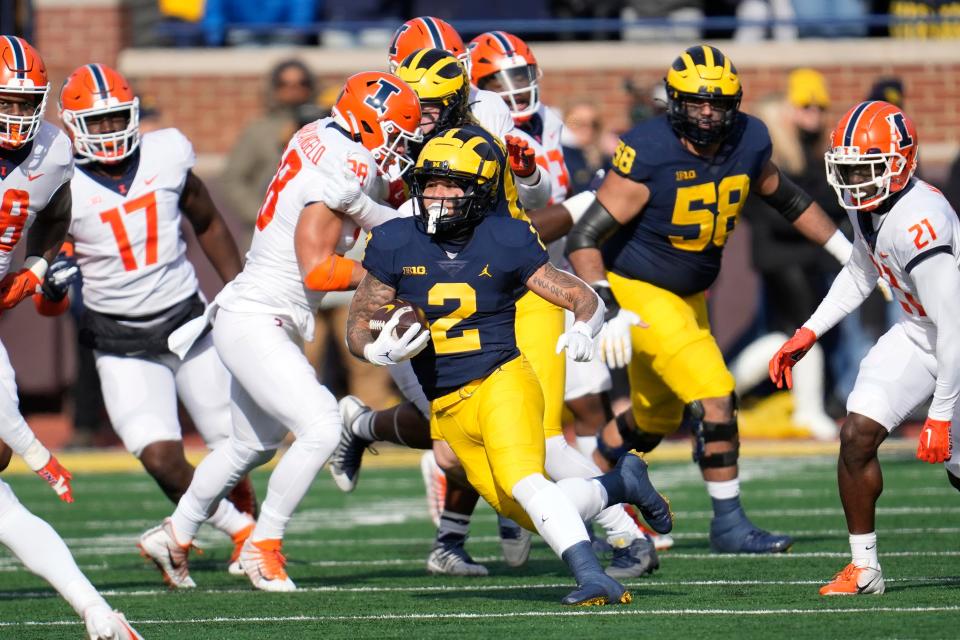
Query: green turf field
point(359, 563)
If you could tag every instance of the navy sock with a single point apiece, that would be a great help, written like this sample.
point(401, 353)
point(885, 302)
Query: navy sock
point(582, 561)
point(613, 484)
point(453, 529)
point(722, 507)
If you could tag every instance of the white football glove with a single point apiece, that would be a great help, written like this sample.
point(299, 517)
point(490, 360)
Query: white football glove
point(343, 191)
point(616, 346)
point(578, 342)
point(387, 350)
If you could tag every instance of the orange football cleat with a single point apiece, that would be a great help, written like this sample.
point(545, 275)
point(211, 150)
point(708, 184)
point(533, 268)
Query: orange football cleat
point(854, 581)
point(239, 538)
point(264, 564)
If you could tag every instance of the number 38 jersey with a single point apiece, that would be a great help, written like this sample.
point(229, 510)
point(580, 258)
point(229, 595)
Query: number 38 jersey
point(271, 281)
point(28, 179)
point(126, 231)
point(677, 241)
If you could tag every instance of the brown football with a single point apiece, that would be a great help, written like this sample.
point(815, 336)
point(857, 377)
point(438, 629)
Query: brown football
point(409, 315)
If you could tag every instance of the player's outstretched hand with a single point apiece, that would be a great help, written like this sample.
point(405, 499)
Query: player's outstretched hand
point(523, 160)
point(781, 365)
point(935, 445)
point(387, 349)
point(616, 345)
point(58, 478)
point(578, 342)
point(17, 286)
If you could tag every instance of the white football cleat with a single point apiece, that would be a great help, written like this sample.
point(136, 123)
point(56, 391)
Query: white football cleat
point(265, 565)
point(435, 482)
point(347, 458)
point(160, 545)
point(854, 581)
point(104, 624)
point(453, 560)
point(239, 538)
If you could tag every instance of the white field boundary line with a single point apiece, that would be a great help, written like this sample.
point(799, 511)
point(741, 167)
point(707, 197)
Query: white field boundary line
point(652, 583)
point(515, 614)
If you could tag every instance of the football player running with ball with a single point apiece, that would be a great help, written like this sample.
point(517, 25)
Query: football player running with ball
point(651, 244)
point(36, 165)
point(130, 194)
point(907, 231)
point(267, 312)
point(485, 399)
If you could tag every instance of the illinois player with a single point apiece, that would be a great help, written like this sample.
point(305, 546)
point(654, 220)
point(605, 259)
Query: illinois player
point(486, 401)
point(264, 315)
point(129, 196)
point(35, 170)
point(907, 231)
point(651, 244)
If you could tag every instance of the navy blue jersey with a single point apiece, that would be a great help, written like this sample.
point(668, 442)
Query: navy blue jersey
point(677, 241)
point(470, 298)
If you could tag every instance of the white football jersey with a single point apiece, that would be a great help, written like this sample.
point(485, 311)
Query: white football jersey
point(127, 233)
point(271, 281)
point(920, 224)
point(28, 186)
point(491, 112)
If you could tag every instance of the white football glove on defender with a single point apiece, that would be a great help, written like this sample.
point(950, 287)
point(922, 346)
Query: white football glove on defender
point(578, 341)
point(387, 350)
point(616, 345)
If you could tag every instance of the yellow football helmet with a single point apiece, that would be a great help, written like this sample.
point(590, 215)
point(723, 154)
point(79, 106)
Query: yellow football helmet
point(703, 75)
point(438, 78)
point(466, 159)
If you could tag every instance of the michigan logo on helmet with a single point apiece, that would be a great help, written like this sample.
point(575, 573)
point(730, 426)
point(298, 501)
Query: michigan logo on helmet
point(503, 63)
point(872, 155)
point(23, 81)
point(455, 181)
point(703, 95)
point(383, 114)
point(425, 33)
point(440, 81)
point(101, 114)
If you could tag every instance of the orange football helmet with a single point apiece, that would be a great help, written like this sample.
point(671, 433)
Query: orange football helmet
point(382, 113)
point(502, 56)
point(425, 33)
point(90, 93)
point(22, 73)
point(872, 155)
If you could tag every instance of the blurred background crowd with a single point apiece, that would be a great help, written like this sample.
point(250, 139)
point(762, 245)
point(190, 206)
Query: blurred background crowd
point(294, 47)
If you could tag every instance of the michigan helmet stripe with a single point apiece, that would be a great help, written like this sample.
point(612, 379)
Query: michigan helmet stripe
point(697, 55)
point(852, 123)
point(718, 57)
point(19, 57)
point(434, 32)
point(504, 41)
point(99, 81)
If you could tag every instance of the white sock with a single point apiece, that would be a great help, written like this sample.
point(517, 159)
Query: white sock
point(44, 553)
point(723, 490)
point(229, 519)
point(587, 496)
point(289, 483)
point(587, 445)
point(863, 548)
point(564, 462)
point(213, 478)
point(554, 516)
point(362, 427)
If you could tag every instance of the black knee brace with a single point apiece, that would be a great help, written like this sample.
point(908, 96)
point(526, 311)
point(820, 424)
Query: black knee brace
point(954, 480)
point(704, 432)
point(633, 438)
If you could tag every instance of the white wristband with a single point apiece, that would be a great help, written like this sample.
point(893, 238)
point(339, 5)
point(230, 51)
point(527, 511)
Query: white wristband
point(36, 456)
point(36, 264)
point(578, 204)
point(531, 180)
point(839, 247)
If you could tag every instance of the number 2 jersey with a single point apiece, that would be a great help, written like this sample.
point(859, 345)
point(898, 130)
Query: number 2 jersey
point(676, 242)
point(469, 297)
point(29, 177)
point(126, 231)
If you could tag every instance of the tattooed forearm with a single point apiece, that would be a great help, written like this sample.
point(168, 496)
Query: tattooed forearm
point(371, 294)
point(564, 290)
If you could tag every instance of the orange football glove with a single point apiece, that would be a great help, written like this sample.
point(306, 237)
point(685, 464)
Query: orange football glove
point(935, 445)
point(781, 365)
point(58, 478)
point(15, 287)
point(397, 193)
point(523, 160)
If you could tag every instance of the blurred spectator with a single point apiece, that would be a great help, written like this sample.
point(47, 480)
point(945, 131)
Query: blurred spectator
point(581, 140)
point(686, 13)
point(831, 18)
point(565, 9)
point(793, 272)
point(760, 10)
point(645, 102)
point(889, 89)
point(295, 18)
point(256, 154)
point(149, 114)
point(932, 11)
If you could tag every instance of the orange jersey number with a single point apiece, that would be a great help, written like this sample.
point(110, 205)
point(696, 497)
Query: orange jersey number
point(919, 232)
point(13, 216)
point(290, 166)
point(148, 204)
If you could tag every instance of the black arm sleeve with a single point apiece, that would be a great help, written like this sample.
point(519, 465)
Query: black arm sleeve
point(593, 228)
point(788, 199)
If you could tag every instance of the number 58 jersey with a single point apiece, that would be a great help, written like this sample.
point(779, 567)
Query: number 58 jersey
point(28, 179)
point(126, 231)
